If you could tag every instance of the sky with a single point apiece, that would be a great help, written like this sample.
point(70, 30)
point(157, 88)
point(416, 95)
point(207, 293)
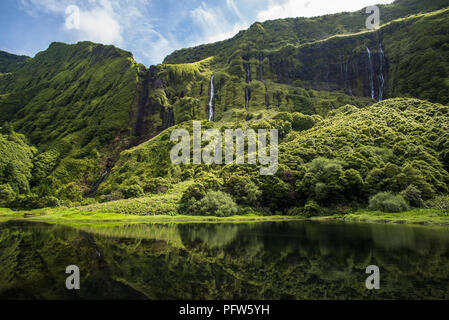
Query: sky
point(150, 29)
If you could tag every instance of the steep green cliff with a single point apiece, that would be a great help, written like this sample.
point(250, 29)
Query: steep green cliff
point(273, 34)
point(10, 62)
point(78, 104)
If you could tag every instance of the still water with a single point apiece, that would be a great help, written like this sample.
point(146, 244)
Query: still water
point(288, 260)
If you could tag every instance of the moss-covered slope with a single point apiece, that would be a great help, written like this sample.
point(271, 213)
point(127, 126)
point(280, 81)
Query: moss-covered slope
point(78, 104)
point(339, 161)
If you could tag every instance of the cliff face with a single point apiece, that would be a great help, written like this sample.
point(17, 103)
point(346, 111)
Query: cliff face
point(371, 65)
point(76, 103)
point(273, 34)
point(405, 58)
point(356, 66)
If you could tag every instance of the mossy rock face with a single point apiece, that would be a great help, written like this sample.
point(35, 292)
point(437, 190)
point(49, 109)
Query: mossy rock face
point(271, 35)
point(317, 58)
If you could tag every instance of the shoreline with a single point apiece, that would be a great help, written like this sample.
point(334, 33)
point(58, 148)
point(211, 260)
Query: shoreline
point(76, 216)
point(423, 217)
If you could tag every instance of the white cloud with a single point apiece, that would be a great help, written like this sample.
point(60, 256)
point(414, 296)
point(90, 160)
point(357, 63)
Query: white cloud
point(231, 5)
point(213, 24)
point(312, 8)
point(98, 20)
point(100, 25)
point(151, 45)
point(124, 23)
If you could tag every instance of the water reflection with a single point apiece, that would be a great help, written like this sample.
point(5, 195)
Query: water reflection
point(294, 260)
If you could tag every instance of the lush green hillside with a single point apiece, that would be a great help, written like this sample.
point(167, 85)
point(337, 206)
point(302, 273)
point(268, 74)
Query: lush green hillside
point(78, 105)
point(338, 162)
point(94, 125)
point(273, 34)
point(16, 165)
point(10, 62)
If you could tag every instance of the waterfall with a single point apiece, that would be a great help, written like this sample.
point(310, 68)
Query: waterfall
point(169, 122)
point(248, 72)
point(261, 67)
point(211, 101)
point(381, 73)
point(267, 98)
point(247, 67)
point(247, 98)
point(371, 73)
point(97, 184)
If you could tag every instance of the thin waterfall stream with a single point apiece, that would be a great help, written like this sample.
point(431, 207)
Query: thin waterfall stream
point(381, 73)
point(371, 73)
point(211, 101)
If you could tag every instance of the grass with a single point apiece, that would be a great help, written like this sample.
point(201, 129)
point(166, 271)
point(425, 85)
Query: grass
point(414, 216)
point(80, 216)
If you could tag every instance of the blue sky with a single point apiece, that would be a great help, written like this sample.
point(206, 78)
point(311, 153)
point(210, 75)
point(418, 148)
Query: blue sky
point(150, 29)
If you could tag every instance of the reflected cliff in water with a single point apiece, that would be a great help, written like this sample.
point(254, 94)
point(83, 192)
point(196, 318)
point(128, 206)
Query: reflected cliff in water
point(294, 260)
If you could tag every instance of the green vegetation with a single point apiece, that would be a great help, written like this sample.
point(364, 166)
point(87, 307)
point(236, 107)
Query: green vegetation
point(387, 202)
point(415, 216)
point(341, 162)
point(271, 35)
point(214, 203)
point(85, 126)
point(10, 62)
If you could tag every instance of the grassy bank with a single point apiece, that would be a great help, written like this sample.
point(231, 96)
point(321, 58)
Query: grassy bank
point(415, 216)
point(106, 215)
point(64, 215)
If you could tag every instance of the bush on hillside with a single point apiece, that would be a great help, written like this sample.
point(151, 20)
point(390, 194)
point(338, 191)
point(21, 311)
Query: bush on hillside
point(132, 191)
point(413, 196)
point(214, 203)
point(388, 202)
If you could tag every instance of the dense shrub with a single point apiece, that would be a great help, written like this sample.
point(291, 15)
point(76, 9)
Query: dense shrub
point(311, 209)
point(302, 122)
point(214, 203)
point(33, 201)
point(7, 195)
point(388, 202)
point(413, 196)
point(156, 185)
point(132, 191)
point(72, 192)
point(440, 202)
point(243, 190)
point(50, 202)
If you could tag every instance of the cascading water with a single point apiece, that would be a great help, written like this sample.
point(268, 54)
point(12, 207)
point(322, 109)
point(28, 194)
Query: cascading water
point(97, 184)
point(247, 67)
point(267, 98)
point(371, 73)
point(169, 118)
point(211, 101)
point(248, 72)
point(381, 73)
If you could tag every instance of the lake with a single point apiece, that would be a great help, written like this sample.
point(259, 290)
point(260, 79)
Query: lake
point(270, 260)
